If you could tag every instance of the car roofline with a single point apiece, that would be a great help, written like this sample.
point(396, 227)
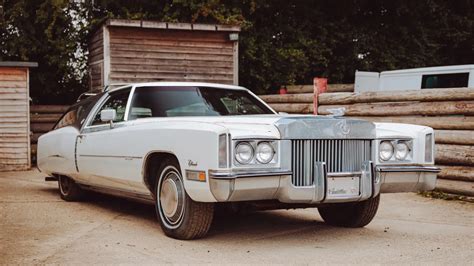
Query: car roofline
point(179, 84)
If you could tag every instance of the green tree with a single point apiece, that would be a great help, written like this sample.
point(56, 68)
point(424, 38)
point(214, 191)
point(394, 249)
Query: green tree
point(46, 32)
point(282, 42)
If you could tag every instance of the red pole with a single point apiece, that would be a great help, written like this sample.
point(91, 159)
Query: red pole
point(320, 85)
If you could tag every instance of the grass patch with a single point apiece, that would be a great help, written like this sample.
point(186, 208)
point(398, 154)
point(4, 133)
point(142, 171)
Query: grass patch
point(446, 196)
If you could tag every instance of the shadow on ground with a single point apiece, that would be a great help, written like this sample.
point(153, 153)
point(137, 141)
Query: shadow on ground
point(256, 224)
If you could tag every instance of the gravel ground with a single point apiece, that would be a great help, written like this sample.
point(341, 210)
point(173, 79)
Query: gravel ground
point(37, 227)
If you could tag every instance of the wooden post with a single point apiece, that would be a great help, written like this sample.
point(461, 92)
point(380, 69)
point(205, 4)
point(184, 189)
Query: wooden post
point(320, 85)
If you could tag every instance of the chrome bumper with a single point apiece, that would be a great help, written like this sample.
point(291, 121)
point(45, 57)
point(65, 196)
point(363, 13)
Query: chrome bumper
point(407, 178)
point(227, 186)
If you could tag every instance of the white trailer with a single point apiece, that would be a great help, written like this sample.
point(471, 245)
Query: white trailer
point(415, 78)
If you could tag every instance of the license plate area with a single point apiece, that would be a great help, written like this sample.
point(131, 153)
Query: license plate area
point(347, 187)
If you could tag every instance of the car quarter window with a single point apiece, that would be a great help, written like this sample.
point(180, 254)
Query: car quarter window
point(117, 101)
point(76, 115)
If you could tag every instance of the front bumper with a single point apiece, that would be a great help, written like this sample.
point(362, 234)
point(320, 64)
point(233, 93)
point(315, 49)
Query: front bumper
point(407, 178)
point(227, 186)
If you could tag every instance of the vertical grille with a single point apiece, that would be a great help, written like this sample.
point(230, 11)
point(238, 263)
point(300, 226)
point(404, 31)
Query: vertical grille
point(339, 156)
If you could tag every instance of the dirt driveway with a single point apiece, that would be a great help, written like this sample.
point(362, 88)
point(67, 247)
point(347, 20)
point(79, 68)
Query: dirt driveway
point(36, 226)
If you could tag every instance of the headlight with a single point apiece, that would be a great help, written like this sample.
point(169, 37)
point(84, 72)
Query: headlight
point(244, 153)
point(385, 150)
point(264, 152)
point(401, 150)
point(256, 153)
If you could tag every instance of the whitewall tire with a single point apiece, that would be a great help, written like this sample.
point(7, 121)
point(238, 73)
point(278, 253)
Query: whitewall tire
point(180, 217)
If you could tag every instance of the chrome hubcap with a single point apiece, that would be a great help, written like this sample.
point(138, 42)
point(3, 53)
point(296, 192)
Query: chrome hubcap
point(171, 198)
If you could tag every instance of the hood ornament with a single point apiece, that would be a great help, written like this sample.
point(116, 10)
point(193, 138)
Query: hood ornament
point(337, 111)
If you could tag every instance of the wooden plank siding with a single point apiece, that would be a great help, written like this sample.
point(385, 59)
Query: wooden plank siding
point(96, 60)
point(131, 51)
point(42, 120)
point(143, 55)
point(14, 119)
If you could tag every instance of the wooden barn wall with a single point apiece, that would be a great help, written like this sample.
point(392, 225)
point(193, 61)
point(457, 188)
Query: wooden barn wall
point(14, 119)
point(140, 55)
point(96, 60)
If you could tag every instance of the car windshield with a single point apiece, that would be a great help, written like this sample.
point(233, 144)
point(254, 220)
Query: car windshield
point(193, 101)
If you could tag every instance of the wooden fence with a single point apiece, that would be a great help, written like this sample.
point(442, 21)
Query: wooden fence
point(42, 119)
point(449, 111)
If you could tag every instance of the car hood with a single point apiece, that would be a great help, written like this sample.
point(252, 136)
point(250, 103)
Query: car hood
point(286, 126)
point(394, 130)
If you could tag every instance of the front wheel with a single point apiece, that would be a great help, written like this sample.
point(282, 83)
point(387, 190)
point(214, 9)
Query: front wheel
point(180, 217)
point(354, 214)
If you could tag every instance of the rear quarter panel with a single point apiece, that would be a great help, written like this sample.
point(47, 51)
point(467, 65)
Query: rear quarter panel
point(56, 151)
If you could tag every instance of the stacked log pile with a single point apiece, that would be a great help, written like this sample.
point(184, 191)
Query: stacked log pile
point(299, 99)
point(42, 119)
point(449, 111)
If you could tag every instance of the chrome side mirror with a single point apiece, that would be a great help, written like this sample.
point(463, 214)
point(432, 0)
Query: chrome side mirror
point(108, 115)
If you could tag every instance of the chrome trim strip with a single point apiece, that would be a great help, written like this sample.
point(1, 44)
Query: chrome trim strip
point(93, 111)
point(146, 198)
point(102, 127)
point(129, 102)
point(111, 156)
point(320, 181)
point(344, 174)
point(216, 174)
point(395, 138)
point(408, 168)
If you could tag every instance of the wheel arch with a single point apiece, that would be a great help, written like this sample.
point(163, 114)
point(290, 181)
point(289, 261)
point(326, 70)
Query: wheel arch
point(151, 163)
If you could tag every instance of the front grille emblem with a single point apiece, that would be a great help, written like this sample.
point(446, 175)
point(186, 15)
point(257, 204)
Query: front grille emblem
point(343, 127)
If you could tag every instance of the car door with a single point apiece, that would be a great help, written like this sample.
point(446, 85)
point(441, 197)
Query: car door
point(56, 151)
point(102, 151)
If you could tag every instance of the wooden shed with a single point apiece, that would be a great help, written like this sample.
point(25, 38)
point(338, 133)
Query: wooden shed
point(124, 51)
point(15, 115)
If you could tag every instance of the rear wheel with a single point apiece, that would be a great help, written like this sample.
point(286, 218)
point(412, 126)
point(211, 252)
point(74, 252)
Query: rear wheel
point(69, 190)
point(354, 214)
point(180, 217)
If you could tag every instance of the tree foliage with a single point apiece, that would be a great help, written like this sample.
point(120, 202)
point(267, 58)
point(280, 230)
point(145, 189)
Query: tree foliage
point(44, 32)
point(282, 42)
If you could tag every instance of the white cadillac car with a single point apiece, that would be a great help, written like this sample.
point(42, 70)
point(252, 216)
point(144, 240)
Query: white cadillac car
point(186, 146)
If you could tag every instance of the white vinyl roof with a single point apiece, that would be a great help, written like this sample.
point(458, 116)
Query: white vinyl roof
point(181, 84)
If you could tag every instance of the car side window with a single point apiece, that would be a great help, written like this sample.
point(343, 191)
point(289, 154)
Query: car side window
point(118, 102)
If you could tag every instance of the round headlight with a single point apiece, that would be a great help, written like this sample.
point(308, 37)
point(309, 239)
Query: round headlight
point(385, 150)
point(401, 151)
point(244, 153)
point(264, 152)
